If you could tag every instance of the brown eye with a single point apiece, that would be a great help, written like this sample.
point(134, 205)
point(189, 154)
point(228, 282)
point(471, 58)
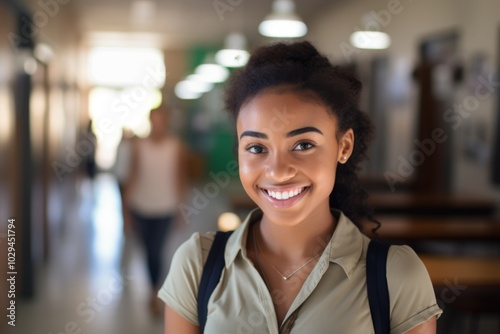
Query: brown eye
point(256, 149)
point(303, 146)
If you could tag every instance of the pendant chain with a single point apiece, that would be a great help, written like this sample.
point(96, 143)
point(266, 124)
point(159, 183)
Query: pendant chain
point(284, 277)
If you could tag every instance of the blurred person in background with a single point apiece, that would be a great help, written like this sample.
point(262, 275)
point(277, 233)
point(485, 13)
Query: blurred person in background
point(154, 191)
point(121, 170)
point(90, 164)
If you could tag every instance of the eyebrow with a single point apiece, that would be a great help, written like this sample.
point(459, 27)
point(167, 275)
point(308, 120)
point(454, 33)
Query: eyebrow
point(303, 130)
point(288, 135)
point(253, 134)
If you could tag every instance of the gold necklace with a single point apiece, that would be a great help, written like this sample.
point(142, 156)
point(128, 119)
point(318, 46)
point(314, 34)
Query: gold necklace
point(284, 277)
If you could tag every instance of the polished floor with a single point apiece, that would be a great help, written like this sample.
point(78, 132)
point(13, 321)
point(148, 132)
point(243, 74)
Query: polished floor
point(96, 281)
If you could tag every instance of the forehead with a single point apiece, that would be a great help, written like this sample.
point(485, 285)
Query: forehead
point(279, 111)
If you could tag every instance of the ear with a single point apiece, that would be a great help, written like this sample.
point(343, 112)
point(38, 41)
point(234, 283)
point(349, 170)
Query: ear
point(346, 145)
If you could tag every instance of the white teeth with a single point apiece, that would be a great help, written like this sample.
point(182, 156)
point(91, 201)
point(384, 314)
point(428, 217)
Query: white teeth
point(285, 194)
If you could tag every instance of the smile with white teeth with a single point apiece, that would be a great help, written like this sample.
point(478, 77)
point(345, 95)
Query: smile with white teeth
point(282, 195)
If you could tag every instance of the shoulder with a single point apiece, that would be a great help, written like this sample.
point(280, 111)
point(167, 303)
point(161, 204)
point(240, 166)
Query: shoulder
point(194, 251)
point(180, 289)
point(404, 261)
point(411, 293)
point(404, 268)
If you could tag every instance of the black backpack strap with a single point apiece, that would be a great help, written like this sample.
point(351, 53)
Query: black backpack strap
point(376, 282)
point(211, 275)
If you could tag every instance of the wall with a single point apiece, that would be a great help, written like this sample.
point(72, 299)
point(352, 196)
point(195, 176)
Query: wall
point(477, 23)
point(7, 167)
point(36, 127)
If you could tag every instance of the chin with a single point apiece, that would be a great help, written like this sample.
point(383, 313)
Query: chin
point(283, 217)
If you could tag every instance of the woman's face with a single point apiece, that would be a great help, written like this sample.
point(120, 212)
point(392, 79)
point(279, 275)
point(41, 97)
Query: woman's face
point(288, 154)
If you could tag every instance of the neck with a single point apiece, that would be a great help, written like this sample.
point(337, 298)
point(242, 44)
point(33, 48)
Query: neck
point(295, 243)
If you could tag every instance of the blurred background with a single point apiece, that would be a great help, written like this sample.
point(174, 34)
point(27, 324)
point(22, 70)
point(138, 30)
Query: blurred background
point(77, 78)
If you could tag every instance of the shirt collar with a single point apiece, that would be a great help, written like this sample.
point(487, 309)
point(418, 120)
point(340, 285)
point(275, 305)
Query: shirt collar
point(237, 241)
point(345, 246)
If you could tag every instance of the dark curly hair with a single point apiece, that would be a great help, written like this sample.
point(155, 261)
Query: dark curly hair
point(302, 69)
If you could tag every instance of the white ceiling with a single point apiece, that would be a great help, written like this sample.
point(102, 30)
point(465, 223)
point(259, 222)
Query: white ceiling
point(182, 23)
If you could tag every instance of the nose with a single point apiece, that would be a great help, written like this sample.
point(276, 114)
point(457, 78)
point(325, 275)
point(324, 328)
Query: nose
point(279, 168)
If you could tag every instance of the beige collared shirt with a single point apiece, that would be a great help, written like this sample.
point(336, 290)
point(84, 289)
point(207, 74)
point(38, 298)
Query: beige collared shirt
point(333, 298)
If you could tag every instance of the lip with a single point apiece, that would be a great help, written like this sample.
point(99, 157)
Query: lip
point(284, 203)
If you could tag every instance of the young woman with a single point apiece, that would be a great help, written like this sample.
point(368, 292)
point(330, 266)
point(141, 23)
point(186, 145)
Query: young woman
point(297, 263)
point(154, 190)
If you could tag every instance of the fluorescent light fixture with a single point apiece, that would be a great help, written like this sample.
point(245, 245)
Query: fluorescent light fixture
point(198, 83)
point(234, 53)
point(370, 40)
point(186, 90)
point(232, 58)
point(43, 53)
point(30, 65)
point(283, 22)
point(212, 72)
point(370, 36)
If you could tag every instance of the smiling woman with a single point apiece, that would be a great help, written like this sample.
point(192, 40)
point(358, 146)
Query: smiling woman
point(298, 262)
point(301, 156)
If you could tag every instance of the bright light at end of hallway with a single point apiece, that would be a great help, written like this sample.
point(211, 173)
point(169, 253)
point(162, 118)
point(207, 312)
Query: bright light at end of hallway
point(126, 66)
point(126, 86)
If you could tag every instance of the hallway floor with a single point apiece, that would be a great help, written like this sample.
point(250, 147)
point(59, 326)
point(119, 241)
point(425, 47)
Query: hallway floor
point(96, 282)
point(96, 279)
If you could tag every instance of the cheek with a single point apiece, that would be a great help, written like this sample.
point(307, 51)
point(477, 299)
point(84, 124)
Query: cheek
point(323, 169)
point(247, 171)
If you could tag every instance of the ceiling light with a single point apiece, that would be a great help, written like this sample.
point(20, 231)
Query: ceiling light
point(186, 90)
point(370, 36)
point(212, 72)
point(199, 84)
point(370, 40)
point(30, 65)
point(283, 22)
point(234, 53)
point(43, 53)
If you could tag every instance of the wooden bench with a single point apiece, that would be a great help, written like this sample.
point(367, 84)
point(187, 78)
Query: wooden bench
point(414, 204)
point(466, 288)
point(406, 204)
point(414, 228)
point(469, 271)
